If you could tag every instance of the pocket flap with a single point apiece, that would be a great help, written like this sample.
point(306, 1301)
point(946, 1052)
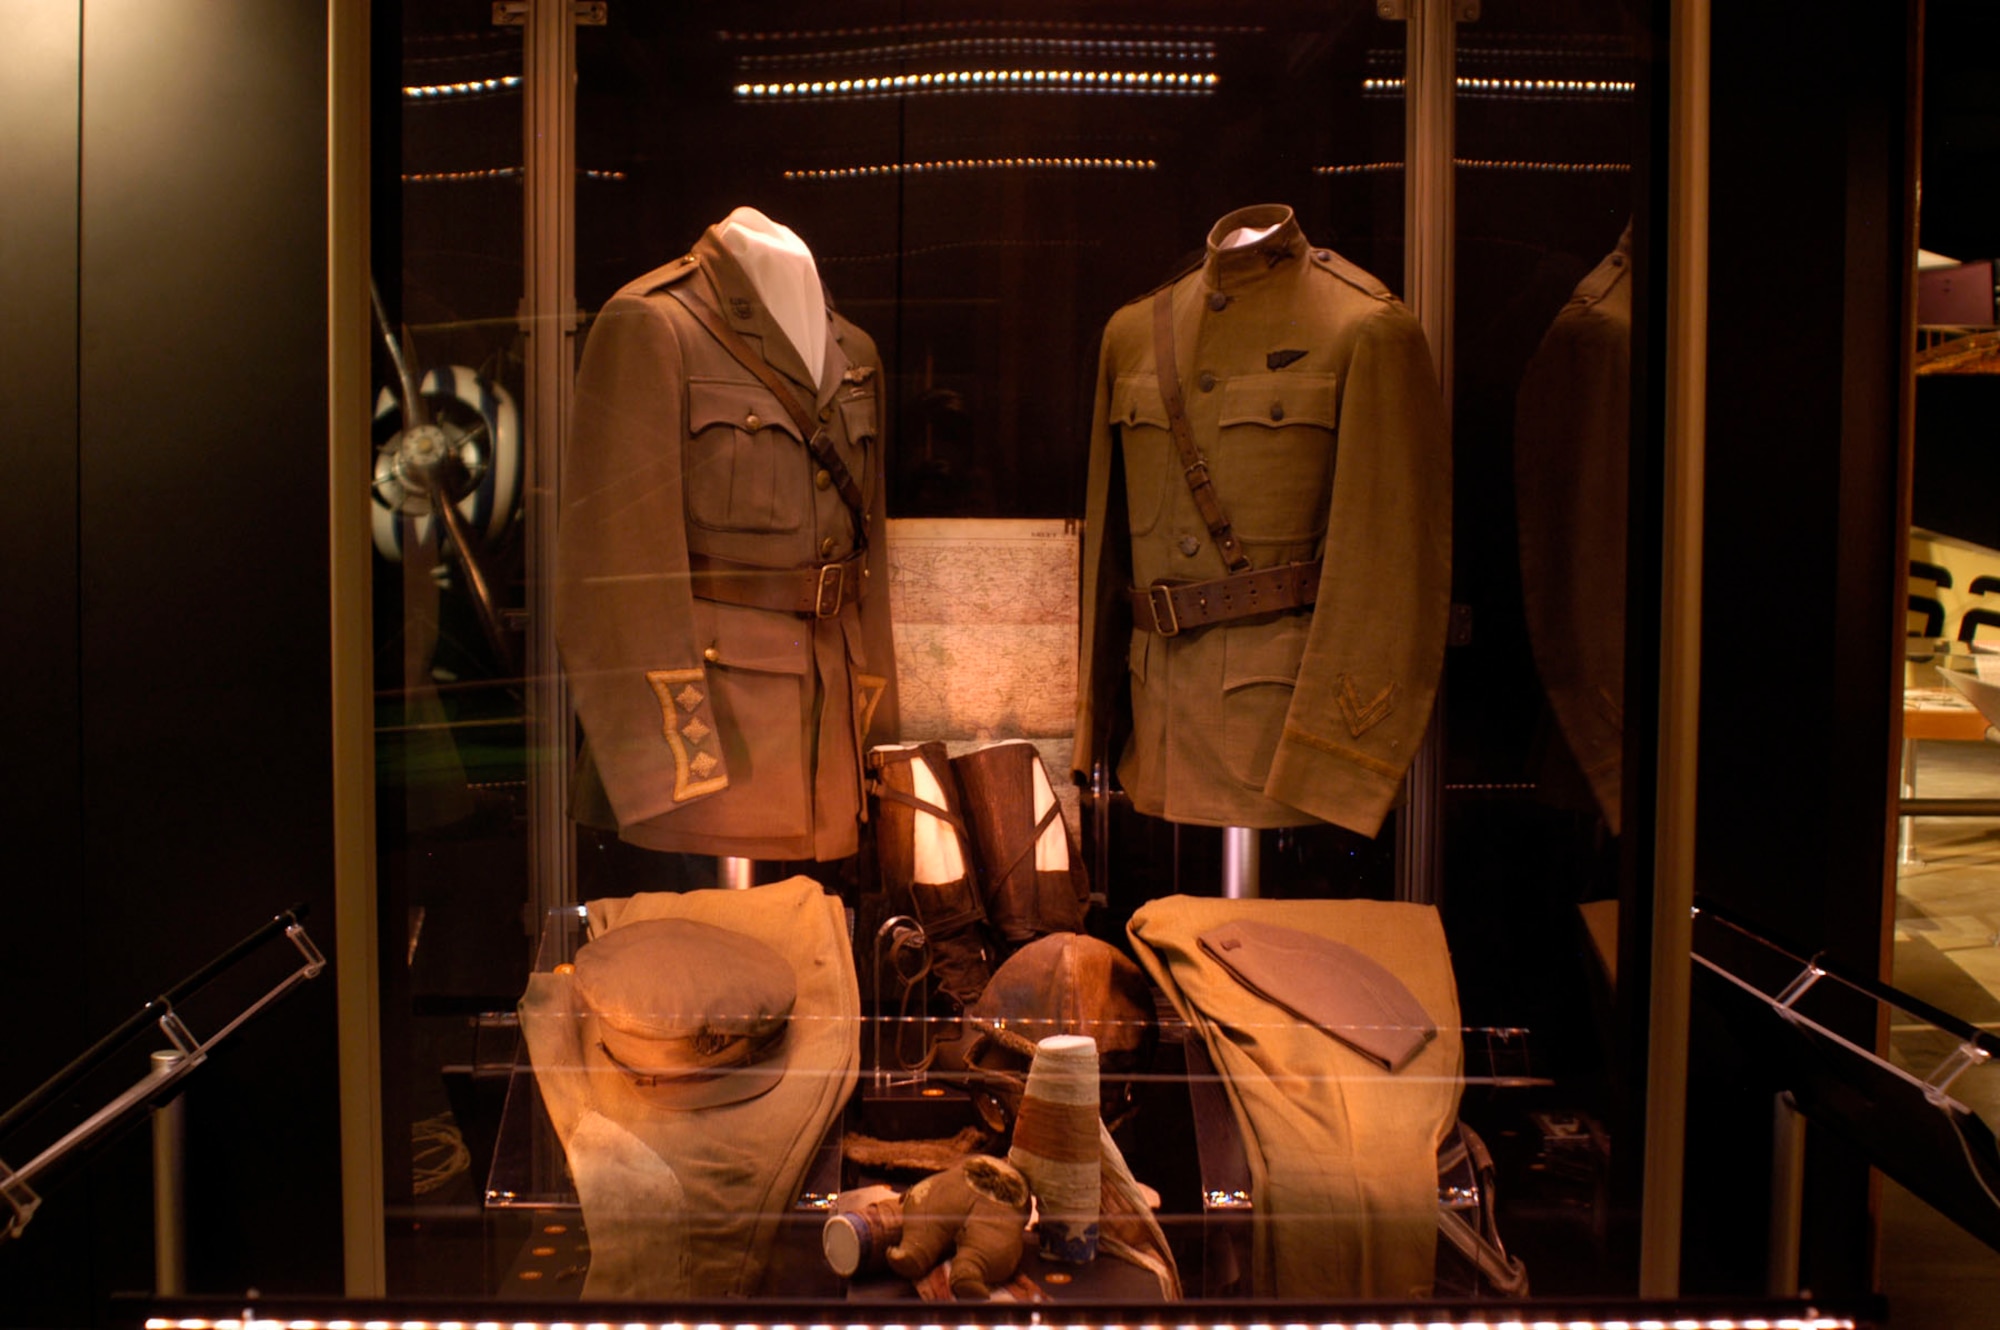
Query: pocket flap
point(1264, 652)
point(1275, 400)
point(730, 402)
point(744, 638)
point(858, 411)
point(1136, 400)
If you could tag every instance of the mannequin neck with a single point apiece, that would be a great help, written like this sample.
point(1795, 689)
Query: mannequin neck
point(782, 270)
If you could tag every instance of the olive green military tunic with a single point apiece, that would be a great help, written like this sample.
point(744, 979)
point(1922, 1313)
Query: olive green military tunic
point(1311, 394)
point(1571, 458)
point(720, 727)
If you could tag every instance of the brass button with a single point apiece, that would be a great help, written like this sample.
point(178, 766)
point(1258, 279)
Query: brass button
point(1206, 382)
point(753, 422)
point(1277, 410)
point(826, 413)
point(1323, 255)
point(826, 548)
point(1218, 301)
point(1190, 546)
point(823, 480)
point(710, 654)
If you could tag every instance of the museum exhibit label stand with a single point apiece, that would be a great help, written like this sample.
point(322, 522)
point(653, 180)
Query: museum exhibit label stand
point(158, 1090)
point(1906, 1121)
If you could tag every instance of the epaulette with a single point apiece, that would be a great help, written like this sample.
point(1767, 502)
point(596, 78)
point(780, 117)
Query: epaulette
point(1607, 274)
point(667, 274)
point(1353, 274)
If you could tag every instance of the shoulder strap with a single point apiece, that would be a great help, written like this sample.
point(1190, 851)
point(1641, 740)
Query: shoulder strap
point(817, 443)
point(1192, 463)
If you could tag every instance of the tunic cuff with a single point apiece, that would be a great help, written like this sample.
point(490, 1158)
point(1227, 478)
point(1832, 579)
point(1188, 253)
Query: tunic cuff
point(688, 724)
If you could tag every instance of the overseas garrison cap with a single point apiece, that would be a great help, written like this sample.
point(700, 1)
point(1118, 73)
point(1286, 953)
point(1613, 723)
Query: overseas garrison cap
point(692, 1014)
point(1328, 983)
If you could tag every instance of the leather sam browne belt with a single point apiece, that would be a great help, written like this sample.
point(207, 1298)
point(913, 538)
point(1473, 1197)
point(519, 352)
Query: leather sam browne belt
point(1171, 609)
point(814, 592)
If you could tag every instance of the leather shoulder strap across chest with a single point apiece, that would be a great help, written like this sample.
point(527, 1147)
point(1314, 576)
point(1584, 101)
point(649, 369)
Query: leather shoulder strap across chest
point(1194, 466)
point(817, 442)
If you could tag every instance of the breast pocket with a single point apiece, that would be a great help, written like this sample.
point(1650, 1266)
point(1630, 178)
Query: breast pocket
point(744, 468)
point(1152, 463)
point(1273, 464)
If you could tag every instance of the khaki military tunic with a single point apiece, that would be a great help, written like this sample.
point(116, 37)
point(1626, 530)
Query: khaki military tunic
point(1571, 458)
point(1311, 394)
point(721, 728)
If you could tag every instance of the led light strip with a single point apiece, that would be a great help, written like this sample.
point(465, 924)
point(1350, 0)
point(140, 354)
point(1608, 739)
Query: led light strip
point(1540, 87)
point(1488, 164)
point(496, 173)
point(424, 92)
point(1141, 82)
point(1161, 50)
point(1807, 1322)
point(978, 164)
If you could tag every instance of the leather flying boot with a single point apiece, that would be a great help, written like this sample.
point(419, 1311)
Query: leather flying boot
point(1021, 844)
point(927, 864)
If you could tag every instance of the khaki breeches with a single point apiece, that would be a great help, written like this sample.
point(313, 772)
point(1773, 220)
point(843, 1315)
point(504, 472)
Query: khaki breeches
point(686, 1202)
point(1342, 1154)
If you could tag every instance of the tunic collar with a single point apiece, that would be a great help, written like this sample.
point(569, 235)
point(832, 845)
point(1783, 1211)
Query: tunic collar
point(736, 296)
point(1242, 266)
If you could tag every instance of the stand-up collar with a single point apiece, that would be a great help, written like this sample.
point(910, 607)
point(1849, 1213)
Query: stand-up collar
point(1241, 266)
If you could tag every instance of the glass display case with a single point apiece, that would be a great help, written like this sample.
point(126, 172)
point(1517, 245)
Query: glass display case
point(999, 629)
point(1059, 653)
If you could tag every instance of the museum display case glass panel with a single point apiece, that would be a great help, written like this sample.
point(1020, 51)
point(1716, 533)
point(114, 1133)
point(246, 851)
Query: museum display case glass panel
point(988, 604)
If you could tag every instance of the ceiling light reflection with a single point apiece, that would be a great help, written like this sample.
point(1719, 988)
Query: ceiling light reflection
point(974, 164)
point(1476, 87)
point(423, 92)
point(1141, 82)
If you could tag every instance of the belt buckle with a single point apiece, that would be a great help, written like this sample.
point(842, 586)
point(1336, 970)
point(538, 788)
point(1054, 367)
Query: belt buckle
point(829, 595)
point(1156, 596)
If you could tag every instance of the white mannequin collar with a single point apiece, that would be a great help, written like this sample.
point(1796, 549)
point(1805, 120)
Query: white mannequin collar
point(780, 266)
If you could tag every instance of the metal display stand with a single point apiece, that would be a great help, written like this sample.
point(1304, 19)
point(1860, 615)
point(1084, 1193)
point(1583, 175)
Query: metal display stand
point(157, 1089)
point(1905, 1123)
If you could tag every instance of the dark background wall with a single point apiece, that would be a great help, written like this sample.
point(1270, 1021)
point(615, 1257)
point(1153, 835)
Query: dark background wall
point(163, 691)
point(1811, 238)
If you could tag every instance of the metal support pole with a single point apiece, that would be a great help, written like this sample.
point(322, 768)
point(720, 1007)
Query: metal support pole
point(735, 874)
point(351, 681)
point(169, 1186)
point(1242, 863)
point(548, 311)
point(1788, 1190)
point(1672, 922)
point(1430, 91)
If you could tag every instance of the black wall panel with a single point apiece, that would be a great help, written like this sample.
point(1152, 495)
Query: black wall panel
point(162, 209)
point(39, 982)
point(206, 791)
